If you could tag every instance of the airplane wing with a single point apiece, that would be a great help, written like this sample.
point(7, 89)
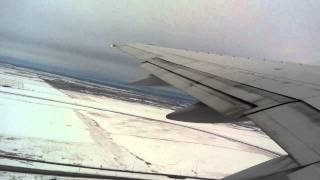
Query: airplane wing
point(283, 99)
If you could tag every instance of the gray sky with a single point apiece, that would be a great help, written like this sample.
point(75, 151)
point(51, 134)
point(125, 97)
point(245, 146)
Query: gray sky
point(75, 35)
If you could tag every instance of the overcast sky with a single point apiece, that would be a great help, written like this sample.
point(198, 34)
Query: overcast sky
point(75, 35)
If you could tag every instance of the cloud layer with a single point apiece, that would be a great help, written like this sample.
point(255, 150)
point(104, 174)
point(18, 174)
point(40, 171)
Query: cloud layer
point(76, 34)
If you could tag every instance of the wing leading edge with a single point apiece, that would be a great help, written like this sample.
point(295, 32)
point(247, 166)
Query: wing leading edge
point(278, 97)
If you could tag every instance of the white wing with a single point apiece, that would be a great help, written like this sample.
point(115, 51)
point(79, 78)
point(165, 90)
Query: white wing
point(281, 98)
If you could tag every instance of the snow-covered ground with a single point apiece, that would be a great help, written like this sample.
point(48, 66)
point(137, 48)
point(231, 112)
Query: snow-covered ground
point(41, 122)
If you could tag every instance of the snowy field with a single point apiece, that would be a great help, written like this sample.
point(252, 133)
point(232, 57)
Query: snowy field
point(44, 124)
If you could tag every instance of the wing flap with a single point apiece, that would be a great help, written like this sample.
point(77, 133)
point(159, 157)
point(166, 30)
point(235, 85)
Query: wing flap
point(271, 169)
point(254, 96)
point(214, 99)
point(311, 172)
point(295, 127)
